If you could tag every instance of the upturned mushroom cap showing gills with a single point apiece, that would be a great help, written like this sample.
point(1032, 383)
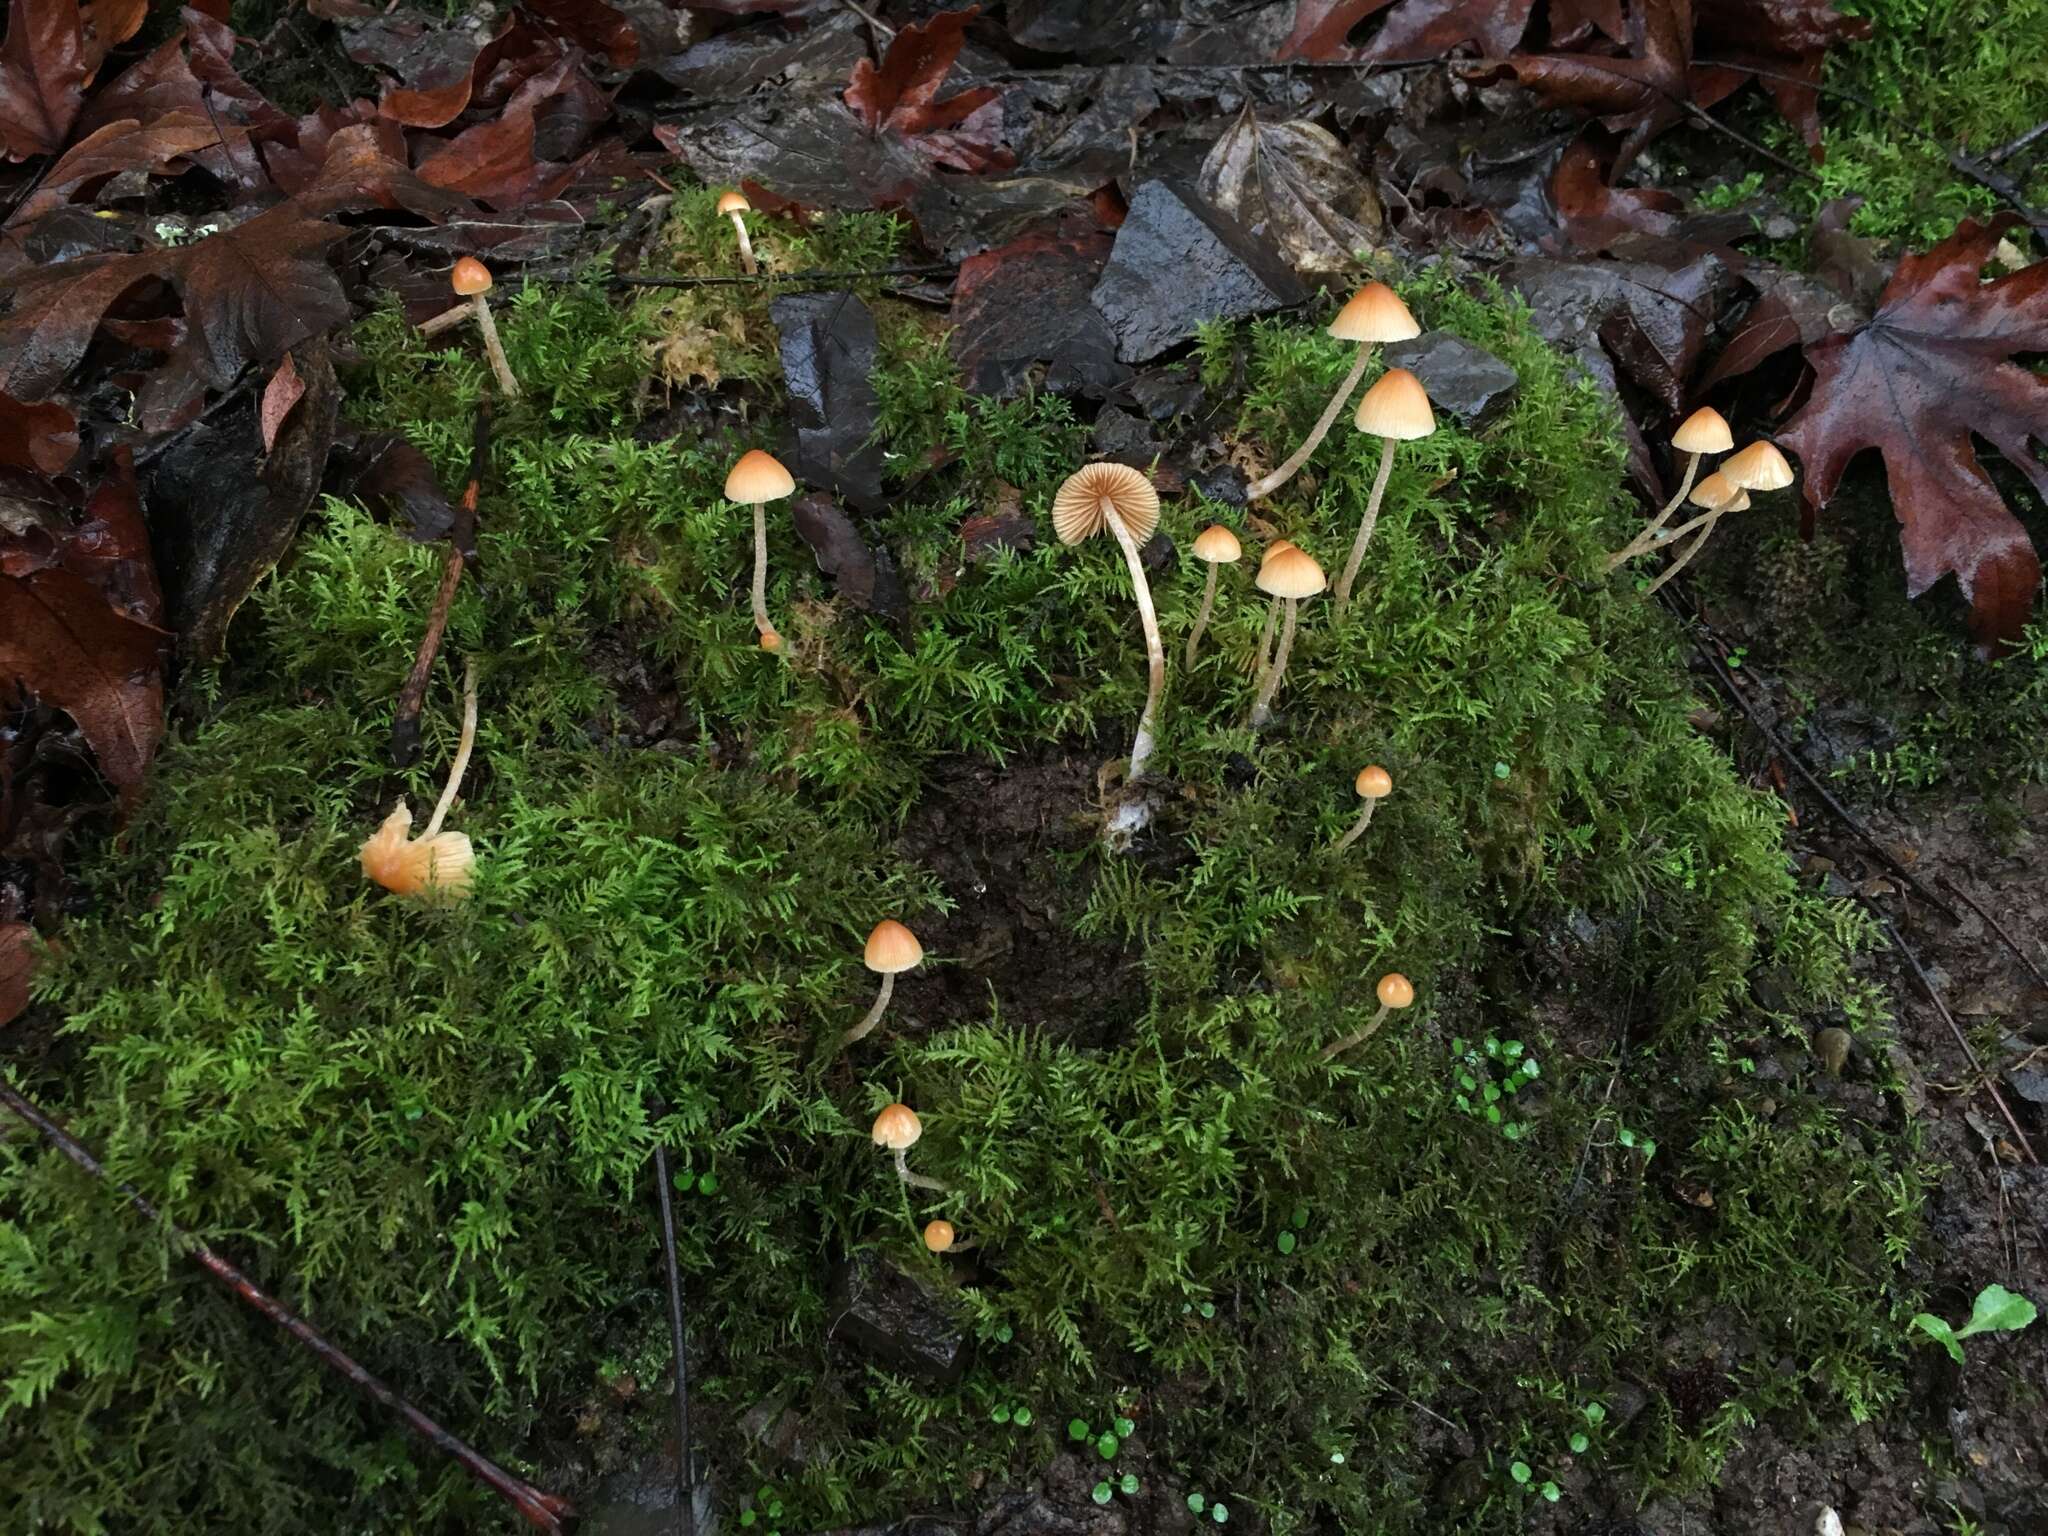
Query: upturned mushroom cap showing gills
point(1288, 571)
point(1395, 990)
point(470, 277)
point(758, 477)
point(1759, 467)
point(1375, 313)
point(1080, 507)
point(1397, 407)
point(733, 202)
point(439, 865)
point(892, 948)
point(1374, 782)
point(897, 1128)
point(939, 1235)
point(1704, 431)
point(1217, 545)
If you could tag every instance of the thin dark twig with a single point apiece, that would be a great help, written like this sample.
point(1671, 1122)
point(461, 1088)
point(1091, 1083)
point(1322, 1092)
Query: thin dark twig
point(544, 1511)
point(686, 1479)
point(697, 280)
point(2012, 147)
point(1998, 928)
point(405, 722)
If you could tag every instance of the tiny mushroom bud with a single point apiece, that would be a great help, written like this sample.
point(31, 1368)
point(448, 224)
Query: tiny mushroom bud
point(892, 948)
point(897, 1128)
point(1373, 314)
point(1395, 991)
point(471, 280)
point(734, 206)
point(938, 1235)
point(436, 864)
point(1396, 410)
point(1374, 785)
point(1289, 573)
point(1121, 499)
point(759, 478)
point(1215, 546)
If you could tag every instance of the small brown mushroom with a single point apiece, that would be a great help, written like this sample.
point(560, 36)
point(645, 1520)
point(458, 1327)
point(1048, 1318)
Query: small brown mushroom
point(892, 949)
point(1272, 625)
point(1396, 409)
point(1703, 432)
point(898, 1129)
point(735, 207)
point(472, 280)
point(1374, 784)
point(1759, 467)
point(1290, 574)
point(1121, 499)
point(1720, 496)
point(1216, 546)
point(757, 479)
point(1373, 314)
point(1395, 991)
point(436, 865)
point(939, 1237)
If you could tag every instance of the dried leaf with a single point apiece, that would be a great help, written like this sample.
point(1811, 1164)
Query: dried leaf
point(865, 577)
point(1297, 185)
point(52, 51)
point(1417, 29)
point(901, 98)
point(284, 391)
point(1638, 96)
point(43, 437)
point(17, 955)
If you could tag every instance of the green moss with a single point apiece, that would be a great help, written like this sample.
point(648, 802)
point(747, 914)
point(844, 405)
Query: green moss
point(431, 1127)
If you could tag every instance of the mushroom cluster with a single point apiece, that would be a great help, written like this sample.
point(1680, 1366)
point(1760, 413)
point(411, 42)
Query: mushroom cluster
point(1759, 467)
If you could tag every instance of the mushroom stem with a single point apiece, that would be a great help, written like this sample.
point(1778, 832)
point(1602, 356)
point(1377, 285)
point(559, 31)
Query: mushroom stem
point(1357, 827)
point(867, 1025)
point(494, 349)
point(770, 639)
point(1365, 526)
point(1338, 1047)
point(448, 319)
point(1707, 532)
point(1262, 706)
point(1265, 659)
point(917, 1179)
point(1155, 653)
point(1202, 616)
point(1266, 485)
point(739, 223)
point(461, 764)
point(1648, 536)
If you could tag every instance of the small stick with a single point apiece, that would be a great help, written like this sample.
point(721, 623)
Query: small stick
point(448, 319)
point(686, 1472)
point(544, 1511)
point(723, 279)
point(405, 725)
point(1998, 928)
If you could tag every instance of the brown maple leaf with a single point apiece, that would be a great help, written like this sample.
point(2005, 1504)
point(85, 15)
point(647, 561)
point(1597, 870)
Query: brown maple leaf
point(1417, 29)
point(1638, 96)
point(901, 97)
point(52, 51)
point(1932, 368)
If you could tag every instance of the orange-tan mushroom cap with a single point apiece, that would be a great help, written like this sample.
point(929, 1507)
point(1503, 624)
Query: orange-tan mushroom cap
point(1081, 505)
point(1397, 407)
point(939, 1235)
point(1759, 467)
point(758, 477)
point(897, 1128)
point(1290, 571)
point(1717, 493)
point(1395, 990)
point(1374, 782)
point(1217, 545)
point(440, 865)
point(1704, 431)
point(892, 948)
point(470, 277)
point(734, 202)
point(1374, 313)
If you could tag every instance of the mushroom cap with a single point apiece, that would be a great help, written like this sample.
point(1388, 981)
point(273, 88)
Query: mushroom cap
point(1704, 431)
point(1374, 782)
point(1397, 407)
point(897, 1128)
point(1395, 990)
point(734, 202)
point(1217, 545)
point(1374, 313)
point(1289, 571)
point(1077, 511)
point(1759, 467)
point(470, 277)
point(1715, 492)
point(439, 865)
point(892, 948)
point(757, 477)
point(939, 1235)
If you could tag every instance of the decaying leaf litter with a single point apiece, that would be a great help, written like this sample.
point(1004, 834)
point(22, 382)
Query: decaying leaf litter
point(185, 259)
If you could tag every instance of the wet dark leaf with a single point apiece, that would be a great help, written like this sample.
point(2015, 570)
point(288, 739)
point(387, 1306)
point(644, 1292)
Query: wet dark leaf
point(592, 26)
point(1413, 29)
point(1030, 302)
point(865, 577)
point(17, 955)
point(828, 357)
point(43, 438)
point(124, 145)
point(396, 481)
point(1295, 184)
point(51, 53)
point(901, 98)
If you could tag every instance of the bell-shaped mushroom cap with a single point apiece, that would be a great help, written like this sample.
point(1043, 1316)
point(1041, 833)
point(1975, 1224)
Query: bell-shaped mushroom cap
point(439, 865)
point(897, 1127)
point(939, 1235)
point(1374, 782)
point(757, 477)
point(470, 277)
point(1396, 407)
point(1374, 313)
point(1078, 506)
point(1759, 467)
point(892, 948)
point(1704, 431)
point(1715, 492)
point(1289, 571)
point(1395, 990)
point(1217, 545)
point(733, 202)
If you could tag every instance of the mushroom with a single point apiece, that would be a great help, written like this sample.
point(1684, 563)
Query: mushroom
point(759, 478)
point(1701, 433)
point(471, 280)
point(435, 864)
point(1759, 467)
point(1374, 784)
point(1121, 499)
point(1272, 624)
point(892, 948)
point(1720, 496)
point(939, 1237)
point(898, 1129)
point(1288, 572)
point(732, 206)
point(1216, 546)
point(1396, 409)
point(1374, 313)
point(1395, 991)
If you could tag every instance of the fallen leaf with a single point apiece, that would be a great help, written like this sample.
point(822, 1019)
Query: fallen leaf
point(828, 348)
point(865, 577)
point(17, 955)
point(1933, 367)
point(1638, 96)
point(901, 97)
point(394, 479)
point(284, 391)
point(1416, 29)
point(592, 26)
point(42, 437)
point(1030, 301)
point(52, 51)
point(124, 145)
point(1781, 38)
point(1295, 184)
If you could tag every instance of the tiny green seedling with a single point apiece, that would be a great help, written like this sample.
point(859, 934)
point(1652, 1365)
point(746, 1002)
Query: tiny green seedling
point(1215, 1509)
point(1997, 1310)
point(1487, 1078)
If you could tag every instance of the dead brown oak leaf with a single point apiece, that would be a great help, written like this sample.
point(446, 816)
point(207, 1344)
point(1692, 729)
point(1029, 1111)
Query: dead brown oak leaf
point(52, 51)
point(901, 97)
point(1932, 368)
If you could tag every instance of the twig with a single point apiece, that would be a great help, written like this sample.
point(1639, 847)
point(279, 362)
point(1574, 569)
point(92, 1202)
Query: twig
point(2006, 151)
point(870, 18)
point(405, 724)
point(686, 1480)
point(722, 279)
point(1998, 928)
point(544, 1511)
